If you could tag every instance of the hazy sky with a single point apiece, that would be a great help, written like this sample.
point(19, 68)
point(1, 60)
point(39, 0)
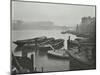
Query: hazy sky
point(58, 13)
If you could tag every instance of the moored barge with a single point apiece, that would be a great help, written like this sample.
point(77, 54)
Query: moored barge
point(43, 43)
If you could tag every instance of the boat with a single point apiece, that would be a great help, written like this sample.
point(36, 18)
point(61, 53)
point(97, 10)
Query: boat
point(32, 41)
point(45, 47)
point(58, 53)
point(42, 43)
point(57, 44)
point(82, 35)
point(51, 44)
point(64, 32)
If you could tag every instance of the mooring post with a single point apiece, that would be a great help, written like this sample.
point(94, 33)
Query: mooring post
point(42, 69)
point(94, 56)
point(33, 61)
point(36, 46)
point(35, 69)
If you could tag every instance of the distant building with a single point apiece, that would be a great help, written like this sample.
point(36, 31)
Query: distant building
point(87, 25)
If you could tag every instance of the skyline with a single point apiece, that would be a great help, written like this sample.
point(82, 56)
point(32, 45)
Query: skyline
point(61, 15)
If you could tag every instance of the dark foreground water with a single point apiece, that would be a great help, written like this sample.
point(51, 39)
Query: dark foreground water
point(42, 59)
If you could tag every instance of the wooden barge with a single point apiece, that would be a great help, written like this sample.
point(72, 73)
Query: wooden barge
point(42, 43)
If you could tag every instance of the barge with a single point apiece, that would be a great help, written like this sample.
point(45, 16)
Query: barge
point(64, 32)
point(42, 43)
point(33, 40)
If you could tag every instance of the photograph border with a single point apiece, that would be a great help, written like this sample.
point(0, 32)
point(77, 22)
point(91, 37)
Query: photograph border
point(49, 3)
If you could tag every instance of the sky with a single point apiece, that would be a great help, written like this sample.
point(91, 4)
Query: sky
point(60, 14)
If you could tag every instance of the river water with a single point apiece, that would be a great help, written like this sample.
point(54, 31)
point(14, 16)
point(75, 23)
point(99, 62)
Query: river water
point(42, 59)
